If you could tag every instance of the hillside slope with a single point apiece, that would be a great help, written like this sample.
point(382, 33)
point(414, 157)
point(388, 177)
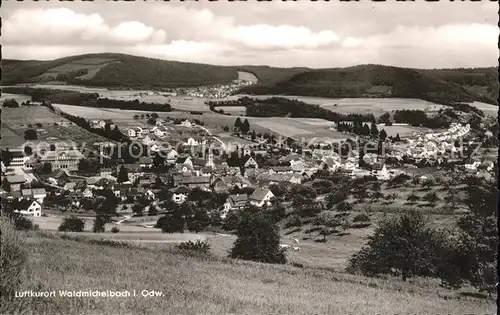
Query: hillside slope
point(194, 285)
point(120, 70)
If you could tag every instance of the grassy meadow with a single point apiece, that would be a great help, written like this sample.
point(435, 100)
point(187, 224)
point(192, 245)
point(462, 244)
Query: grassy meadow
point(213, 285)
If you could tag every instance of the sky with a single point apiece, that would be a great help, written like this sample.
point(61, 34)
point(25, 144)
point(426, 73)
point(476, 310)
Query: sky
point(283, 34)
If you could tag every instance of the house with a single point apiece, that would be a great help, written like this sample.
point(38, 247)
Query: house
point(97, 124)
point(234, 202)
point(19, 158)
point(179, 194)
point(219, 186)
point(206, 171)
point(87, 193)
point(134, 132)
point(149, 194)
point(296, 179)
point(105, 172)
point(149, 139)
point(186, 123)
point(250, 163)
point(196, 181)
point(66, 160)
point(280, 170)
point(144, 181)
point(69, 186)
point(145, 161)
point(172, 156)
point(261, 197)
point(471, 165)
point(39, 194)
point(29, 207)
point(191, 142)
point(15, 181)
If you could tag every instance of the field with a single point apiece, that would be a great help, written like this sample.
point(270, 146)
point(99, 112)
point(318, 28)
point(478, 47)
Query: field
point(18, 97)
point(192, 285)
point(92, 65)
point(404, 130)
point(233, 110)
point(488, 109)
point(15, 121)
point(375, 106)
point(247, 76)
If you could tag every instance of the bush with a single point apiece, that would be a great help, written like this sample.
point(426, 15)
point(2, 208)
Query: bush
point(23, 223)
point(115, 229)
point(293, 221)
point(72, 224)
point(363, 217)
point(13, 261)
point(202, 247)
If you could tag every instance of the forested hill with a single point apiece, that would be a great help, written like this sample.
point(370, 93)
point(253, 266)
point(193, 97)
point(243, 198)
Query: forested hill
point(126, 71)
point(440, 86)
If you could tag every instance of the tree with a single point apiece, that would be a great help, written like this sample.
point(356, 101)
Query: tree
point(72, 224)
point(199, 220)
point(397, 139)
point(172, 222)
point(153, 210)
point(30, 134)
point(46, 168)
point(473, 258)
point(100, 224)
point(10, 103)
point(404, 246)
point(253, 135)
point(137, 209)
point(412, 198)
point(6, 157)
point(6, 184)
point(258, 240)
point(374, 130)
point(237, 123)
point(431, 198)
point(245, 126)
point(123, 175)
point(386, 117)
point(344, 206)
point(382, 135)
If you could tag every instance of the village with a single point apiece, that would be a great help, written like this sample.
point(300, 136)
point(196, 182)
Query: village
point(181, 156)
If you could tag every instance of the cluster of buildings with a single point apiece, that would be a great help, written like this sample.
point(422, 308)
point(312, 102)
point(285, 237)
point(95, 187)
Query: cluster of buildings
point(217, 91)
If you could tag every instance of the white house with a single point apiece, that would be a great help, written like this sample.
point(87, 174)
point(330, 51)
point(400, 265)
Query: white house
point(179, 194)
point(150, 195)
point(191, 142)
point(186, 123)
point(172, 156)
point(31, 208)
point(381, 172)
point(251, 163)
point(472, 166)
point(261, 197)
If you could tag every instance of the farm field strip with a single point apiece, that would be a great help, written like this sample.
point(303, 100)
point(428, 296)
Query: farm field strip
point(488, 109)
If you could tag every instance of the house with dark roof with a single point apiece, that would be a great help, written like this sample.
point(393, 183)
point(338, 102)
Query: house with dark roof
point(261, 196)
point(15, 181)
point(196, 181)
point(145, 161)
point(28, 207)
point(234, 202)
point(250, 163)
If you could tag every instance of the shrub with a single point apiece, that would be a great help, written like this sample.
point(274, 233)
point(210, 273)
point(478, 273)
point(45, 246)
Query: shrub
point(202, 247)
point(72, 224)
point(293, 221)
point(115, 229)
point(23, 223)
point(13, 261)
point(363, 217)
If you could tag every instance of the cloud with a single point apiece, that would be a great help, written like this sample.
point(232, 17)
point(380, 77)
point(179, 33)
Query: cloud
point(263, 36)
point(286, 34)
point(63, 26)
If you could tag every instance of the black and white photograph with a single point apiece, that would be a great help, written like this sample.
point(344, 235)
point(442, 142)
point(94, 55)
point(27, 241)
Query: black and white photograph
point(249, 157)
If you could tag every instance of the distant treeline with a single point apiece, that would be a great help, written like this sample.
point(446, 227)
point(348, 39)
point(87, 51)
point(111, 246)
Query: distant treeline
point(85, 99)
point(284, 107)
point(419, 118)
